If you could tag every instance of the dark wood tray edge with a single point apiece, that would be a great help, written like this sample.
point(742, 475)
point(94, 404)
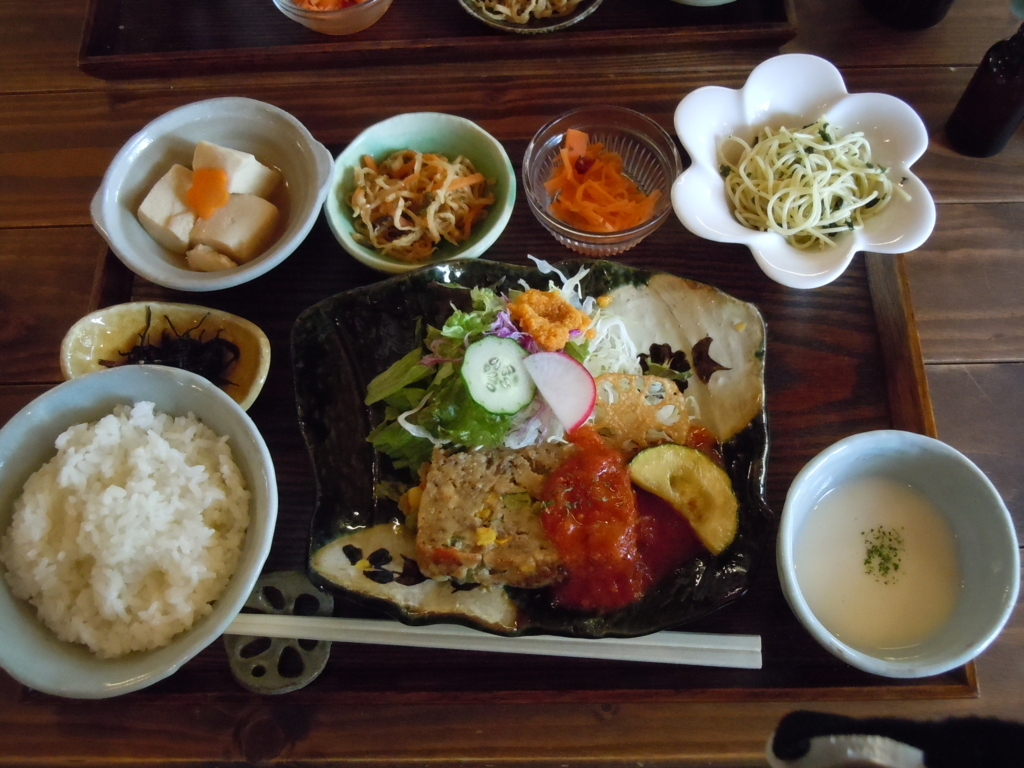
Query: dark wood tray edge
point(910, 405)
point(342, 52)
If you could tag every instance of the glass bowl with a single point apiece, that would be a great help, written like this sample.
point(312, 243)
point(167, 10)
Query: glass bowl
point(650, 159)
point(343, 21)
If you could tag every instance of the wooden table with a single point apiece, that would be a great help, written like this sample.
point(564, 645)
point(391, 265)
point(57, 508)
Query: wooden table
point(960, 295)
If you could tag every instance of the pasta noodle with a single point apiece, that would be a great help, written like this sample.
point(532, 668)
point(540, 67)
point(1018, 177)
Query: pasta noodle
point(521, 11)
point(407, 204)
point(808, 185)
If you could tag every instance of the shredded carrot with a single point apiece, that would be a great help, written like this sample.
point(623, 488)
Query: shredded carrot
point(576, 144)
point(405, 204)
point(590, 190)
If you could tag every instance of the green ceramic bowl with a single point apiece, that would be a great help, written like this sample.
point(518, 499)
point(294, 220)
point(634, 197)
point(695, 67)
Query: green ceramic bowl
point(435, 132)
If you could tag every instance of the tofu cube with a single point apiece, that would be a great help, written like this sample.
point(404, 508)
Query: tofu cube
point(246, 174)
point(203, 258)
point(240, 230)
point(165, 215)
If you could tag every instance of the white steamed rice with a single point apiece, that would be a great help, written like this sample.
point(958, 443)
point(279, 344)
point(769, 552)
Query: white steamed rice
point(127, 536)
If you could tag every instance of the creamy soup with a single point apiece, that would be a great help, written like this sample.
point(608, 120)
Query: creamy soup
point(877, 565)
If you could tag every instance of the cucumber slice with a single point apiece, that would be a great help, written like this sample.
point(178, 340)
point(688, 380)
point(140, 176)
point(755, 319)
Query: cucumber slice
point(495, 376)
point(695, 486)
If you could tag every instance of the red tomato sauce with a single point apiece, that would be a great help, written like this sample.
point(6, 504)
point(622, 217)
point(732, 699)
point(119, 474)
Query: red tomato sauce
point(666, 540)
point(592, 519)
point(615, 541)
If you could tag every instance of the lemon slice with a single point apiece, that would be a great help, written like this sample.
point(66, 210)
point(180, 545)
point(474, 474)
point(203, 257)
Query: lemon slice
point(695, 486)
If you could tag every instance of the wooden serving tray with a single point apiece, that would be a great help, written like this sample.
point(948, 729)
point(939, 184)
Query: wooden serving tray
point(173, 38)
point(833, 368)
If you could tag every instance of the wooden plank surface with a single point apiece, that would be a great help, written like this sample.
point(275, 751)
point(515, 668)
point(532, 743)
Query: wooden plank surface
point(58, 130)
point(979, 411)
point(48, 276)
point(49, 171)
point(966, 285)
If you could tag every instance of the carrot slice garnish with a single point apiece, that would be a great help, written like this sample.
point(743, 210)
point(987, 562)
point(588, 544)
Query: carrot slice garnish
point(209, 191)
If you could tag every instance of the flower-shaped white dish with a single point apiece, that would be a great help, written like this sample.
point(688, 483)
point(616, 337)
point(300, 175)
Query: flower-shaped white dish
point(794, 90)
point(275, 137)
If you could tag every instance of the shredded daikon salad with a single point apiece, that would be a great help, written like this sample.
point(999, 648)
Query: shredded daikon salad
point(405, 205)
point(521, 11)
point(325, 5)
point(808, 185)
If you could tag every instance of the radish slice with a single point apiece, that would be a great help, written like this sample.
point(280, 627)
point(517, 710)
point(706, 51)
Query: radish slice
point(565, 385)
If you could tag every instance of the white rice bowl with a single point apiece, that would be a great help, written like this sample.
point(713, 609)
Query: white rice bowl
point(130, 532)
point(31, 652)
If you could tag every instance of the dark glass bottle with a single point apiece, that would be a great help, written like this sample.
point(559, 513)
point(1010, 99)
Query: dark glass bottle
point(992, 107)
point(909, 14)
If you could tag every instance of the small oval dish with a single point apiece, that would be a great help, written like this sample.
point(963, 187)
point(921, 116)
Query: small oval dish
point(875, 526)
point(30, 651)
point(273, 136)
point(435, 132)
point(338, 21)
point(534, 26)
point(107, 333)
point(796, 90)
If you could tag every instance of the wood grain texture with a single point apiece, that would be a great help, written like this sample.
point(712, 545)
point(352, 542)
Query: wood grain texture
point(966, 284)
point(174, 37)
point(59, 129)
point(909, 401)
point(309, 728)
point(979, 411)
point(845, 33)
point(841, 31)
point(48, 276)
point(49, 171)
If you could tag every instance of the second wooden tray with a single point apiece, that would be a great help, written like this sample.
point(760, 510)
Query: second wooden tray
point(174, 38)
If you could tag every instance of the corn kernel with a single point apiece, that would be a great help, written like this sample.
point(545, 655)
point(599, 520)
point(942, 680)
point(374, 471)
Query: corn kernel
point(410, 500)
point(604, 301)
point(485, 514)
point(485, 536)
point(363, 565)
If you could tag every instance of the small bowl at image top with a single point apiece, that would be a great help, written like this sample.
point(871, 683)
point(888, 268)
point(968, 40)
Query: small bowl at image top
point(438, 133)
point(272, 135)
point(649, 159)
point(340, 21)
point(794, 90)
point(29, 651)
point(534, 26)
point(880, 500)
point(106, 333)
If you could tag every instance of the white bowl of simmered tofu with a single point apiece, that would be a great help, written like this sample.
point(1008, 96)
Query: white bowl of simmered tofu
point(212, 194)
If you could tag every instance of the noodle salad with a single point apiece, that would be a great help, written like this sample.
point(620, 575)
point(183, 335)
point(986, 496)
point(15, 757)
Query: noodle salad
point(521, 11)
point(405, 205)
point(808, 186)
